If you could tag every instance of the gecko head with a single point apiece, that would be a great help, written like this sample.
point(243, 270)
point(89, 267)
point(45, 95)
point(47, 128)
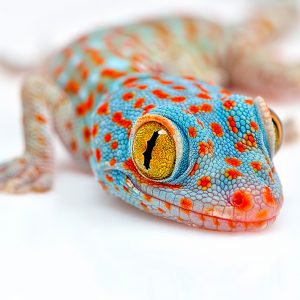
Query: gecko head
point(205, 159)
point(209, 169)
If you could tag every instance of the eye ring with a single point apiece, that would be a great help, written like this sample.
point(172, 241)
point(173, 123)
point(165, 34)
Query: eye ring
point(278, 127)
point(156, 147)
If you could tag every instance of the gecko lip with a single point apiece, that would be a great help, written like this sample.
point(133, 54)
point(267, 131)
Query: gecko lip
point(208, 221)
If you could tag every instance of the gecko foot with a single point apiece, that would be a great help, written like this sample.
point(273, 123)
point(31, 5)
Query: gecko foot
point(24, 175)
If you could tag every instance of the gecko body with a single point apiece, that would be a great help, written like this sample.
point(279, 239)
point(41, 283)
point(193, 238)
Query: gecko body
point(141, 107)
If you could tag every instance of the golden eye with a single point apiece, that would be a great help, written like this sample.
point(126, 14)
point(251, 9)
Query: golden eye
point(154, 151)
point(278, 130)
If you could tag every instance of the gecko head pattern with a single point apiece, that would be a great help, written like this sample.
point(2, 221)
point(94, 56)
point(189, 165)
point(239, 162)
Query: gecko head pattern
point(189, 151)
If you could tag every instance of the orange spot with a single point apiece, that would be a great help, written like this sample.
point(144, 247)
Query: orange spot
point(231, 224)
point(95, 130)
point(147, 197)
point(168, 205)
point(250, 139)
point(216, 129)
point(162, 81)
point(111, 73)
point(254, 126)
point(83, 108)
point(160, 94)
point(200, 87)
point(139, 103)
point(216, 222)
point(161, 211)
point(232, 124)
point(109, 178)
point(84, 73)
point(144, 205)
point(202, 217)
point(112, 162)
point(148, 108)
point(178, 98)
point(86, 134)
point(204, 96)
point(142, 86)
point(235, 162)
point(107, 137)
point(41, 119)
point(130, 81)
point(239, 146)
point(268, 197)
point(100, 88)
point(189, 77)
point(103, 109)
point(95, 56)
point(256, 165)
point(186, 203)
point(242, 200)
point(89, 103)
point(98, 155)
point(249, 101)
point(114, 145)
point(192, 132)
point(205, 148)
point(200, 123)
point(194, 109)
point(262, 214)
point(204, 182)
point(185, 211)
point(128, 96)
point(229, 104)
point(231, 174)
point(74, 146)
point(119, 119)
point(69, 125)
point(195, 169)
point(179, 87)
point(72, 87)
point(225, 92)
point(205, 107)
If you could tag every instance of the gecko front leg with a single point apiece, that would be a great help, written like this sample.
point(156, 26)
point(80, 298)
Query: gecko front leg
point(33, 171)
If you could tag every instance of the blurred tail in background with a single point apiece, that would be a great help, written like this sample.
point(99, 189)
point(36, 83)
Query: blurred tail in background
point(251, 54)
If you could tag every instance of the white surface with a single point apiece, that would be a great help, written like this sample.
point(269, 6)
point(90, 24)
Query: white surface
point(77, 242)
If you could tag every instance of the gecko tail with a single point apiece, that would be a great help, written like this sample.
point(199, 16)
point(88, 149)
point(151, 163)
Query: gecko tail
point(273, 17)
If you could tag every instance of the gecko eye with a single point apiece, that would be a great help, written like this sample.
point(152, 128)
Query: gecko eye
point(278, 130)
point(154, 148)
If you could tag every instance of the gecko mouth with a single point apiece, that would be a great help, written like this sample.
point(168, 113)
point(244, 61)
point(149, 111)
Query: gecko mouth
point(199, 219)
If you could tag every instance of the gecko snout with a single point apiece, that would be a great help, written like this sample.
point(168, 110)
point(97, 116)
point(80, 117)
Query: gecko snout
point(255, 206)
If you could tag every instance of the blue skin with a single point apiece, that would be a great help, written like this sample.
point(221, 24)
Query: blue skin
point(217, 200)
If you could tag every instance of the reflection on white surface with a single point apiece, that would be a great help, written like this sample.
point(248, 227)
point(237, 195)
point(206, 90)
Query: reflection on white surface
point(77, 242)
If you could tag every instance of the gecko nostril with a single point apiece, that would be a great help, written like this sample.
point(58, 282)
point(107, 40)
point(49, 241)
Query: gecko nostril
point(242, 200)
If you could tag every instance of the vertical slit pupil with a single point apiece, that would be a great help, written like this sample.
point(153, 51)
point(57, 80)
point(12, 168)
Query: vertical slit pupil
point(148, 153)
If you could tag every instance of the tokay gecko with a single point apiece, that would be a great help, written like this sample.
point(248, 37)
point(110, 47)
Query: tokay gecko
point(148, 109)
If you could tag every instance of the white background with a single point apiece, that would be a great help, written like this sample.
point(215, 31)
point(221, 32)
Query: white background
point(77, 242)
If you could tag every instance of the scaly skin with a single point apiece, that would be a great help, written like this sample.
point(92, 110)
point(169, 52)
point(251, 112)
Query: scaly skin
point(212, 152)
